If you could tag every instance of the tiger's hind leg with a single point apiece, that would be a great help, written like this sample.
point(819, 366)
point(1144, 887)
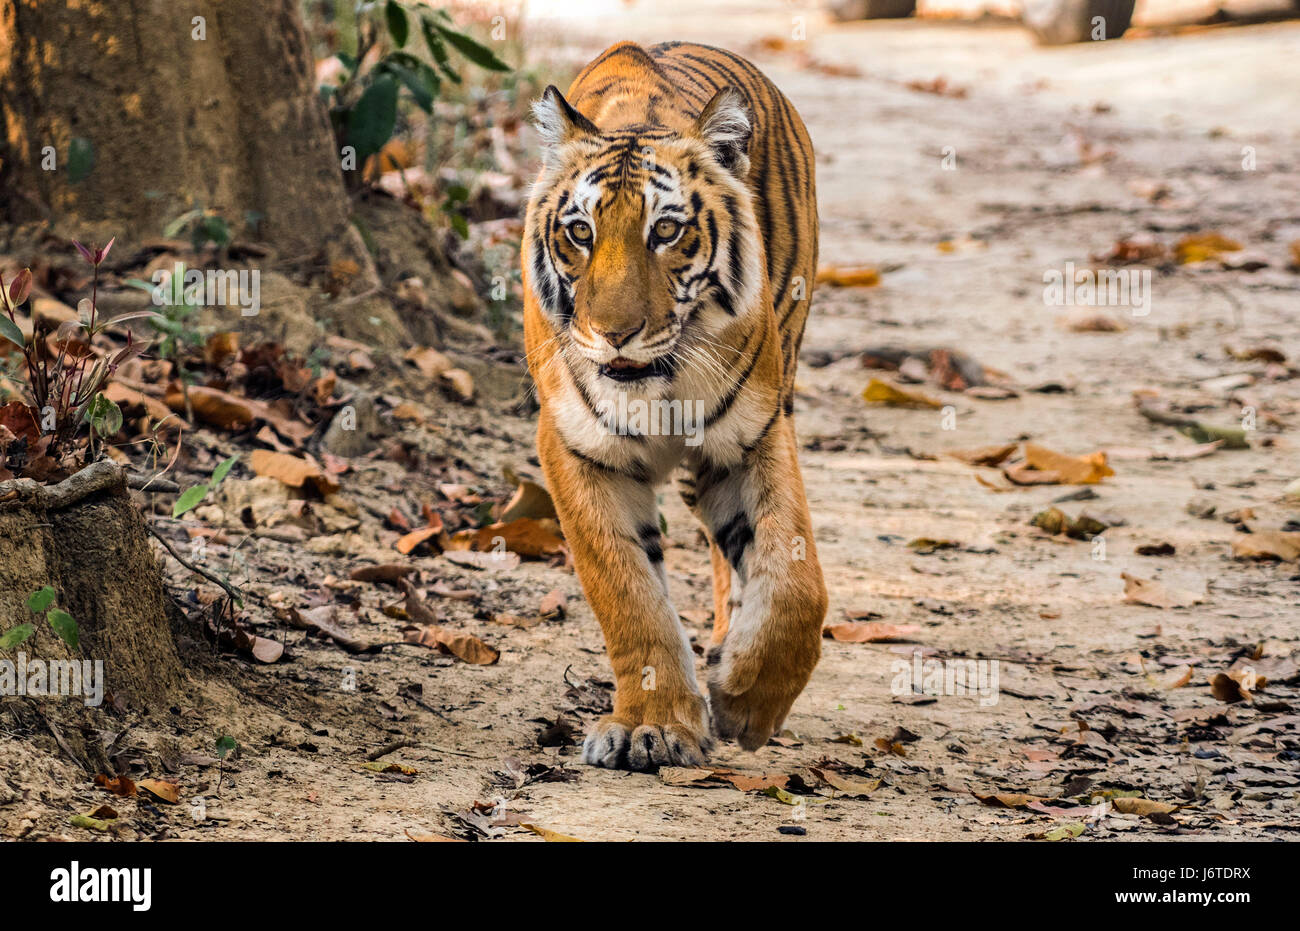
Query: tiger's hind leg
point(722, 571)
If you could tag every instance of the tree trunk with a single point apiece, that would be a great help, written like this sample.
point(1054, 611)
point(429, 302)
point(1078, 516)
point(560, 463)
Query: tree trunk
point(85, 539)
point(211, 103)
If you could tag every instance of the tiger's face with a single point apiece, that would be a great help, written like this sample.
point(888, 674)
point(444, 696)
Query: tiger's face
point(641, 241)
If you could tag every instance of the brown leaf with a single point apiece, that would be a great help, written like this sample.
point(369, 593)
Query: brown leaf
point(294, 471)
point(869, 631)
point(167, 792)
point(460, 382)
point(430, 362)
point(212, 406)
point(118, 785)
point(883, 392)
point(1072, 470)
point(1142, 806)
point(1154, 594)
point(859, 788)
point(552, 607)
point(529, 500)
point(1202, 247)
point(497, 561)
point(983, 455)
point(1268, 544)
point(847, 277)
point(385, 572)
point(131, 399)
point(529, 537)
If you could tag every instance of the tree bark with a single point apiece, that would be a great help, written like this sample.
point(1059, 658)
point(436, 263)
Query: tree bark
point(209, 103)
point(84, 538)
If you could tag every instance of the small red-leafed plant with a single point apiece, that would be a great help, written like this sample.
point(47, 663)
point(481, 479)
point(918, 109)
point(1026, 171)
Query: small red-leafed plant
point(42, 434)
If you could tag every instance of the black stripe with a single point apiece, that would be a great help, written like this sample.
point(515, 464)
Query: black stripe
point(639, 474)
point(734, 538)
point(651, 542)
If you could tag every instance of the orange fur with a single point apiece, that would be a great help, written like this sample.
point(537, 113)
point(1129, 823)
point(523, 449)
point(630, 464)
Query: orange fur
point(669, 252)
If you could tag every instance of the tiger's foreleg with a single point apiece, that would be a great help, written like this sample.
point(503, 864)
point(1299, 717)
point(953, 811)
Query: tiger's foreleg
point(612, 528)
point(757, 515)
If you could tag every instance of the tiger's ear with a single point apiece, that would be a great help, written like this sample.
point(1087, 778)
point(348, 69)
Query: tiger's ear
point(557, 121)
point(724, 126)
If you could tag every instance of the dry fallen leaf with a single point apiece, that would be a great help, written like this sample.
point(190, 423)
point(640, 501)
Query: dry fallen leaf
point(983, 455)
point(882, 392)
point(868, 631)
point(1268, 544)
point(1058, 468)
point(1154, 594)
point(167, 792)
point(530, 500)
point(1202, 247)
point(294, 471)
point(845, 277)
point(528, 537)
point(1142, 806)
point(118, 785)
point(844, 785)
point(430, 362)
point(461, 645)
point(549, 835)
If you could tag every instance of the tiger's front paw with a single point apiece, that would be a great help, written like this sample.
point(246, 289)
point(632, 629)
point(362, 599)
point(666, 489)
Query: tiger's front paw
point(651, 740)
point(750, 696)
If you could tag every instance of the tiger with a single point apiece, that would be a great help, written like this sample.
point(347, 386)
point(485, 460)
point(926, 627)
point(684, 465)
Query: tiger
point(668, 259)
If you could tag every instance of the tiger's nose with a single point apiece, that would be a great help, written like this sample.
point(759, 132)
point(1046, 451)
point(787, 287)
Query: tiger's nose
point(619, 338)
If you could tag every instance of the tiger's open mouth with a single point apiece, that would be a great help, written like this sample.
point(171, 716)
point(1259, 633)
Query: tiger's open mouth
point(621, 369)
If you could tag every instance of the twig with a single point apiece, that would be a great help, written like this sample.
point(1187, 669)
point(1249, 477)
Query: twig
point(389, 748)
point(151, 483)
point(215, 579)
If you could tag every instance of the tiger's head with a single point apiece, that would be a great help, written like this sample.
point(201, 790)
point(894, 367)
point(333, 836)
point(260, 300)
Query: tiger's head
point(641, 241)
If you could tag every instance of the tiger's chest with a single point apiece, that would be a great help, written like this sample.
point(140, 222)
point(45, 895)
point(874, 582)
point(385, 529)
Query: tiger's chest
point(646, 435)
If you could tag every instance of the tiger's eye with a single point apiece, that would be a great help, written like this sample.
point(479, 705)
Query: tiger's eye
point(580, 231)
point(665, 230)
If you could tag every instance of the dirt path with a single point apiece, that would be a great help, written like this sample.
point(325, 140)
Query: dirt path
point(1057, 156)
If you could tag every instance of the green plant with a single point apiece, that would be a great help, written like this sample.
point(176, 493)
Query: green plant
point(204, 226)
point(363, 106)
point(193, 496)
point(175, 322)
point(62, 387)
point(41, 602)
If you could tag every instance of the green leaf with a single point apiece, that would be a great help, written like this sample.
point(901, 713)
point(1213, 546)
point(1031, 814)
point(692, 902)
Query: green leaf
point(459, 224)
point(222, 470)
point(81, 158)
point(103, 415)
point(224, 746)
point(480, 55)
point(371, 121)
point(1073, 829)
point(399, 27)
point(64, 626)
point(15, 635)
point(190, 499)
point(41, 599)
point(413, 80)
point(173, 228)
point(438, 49)
point(89, 823)
point(9, 330)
